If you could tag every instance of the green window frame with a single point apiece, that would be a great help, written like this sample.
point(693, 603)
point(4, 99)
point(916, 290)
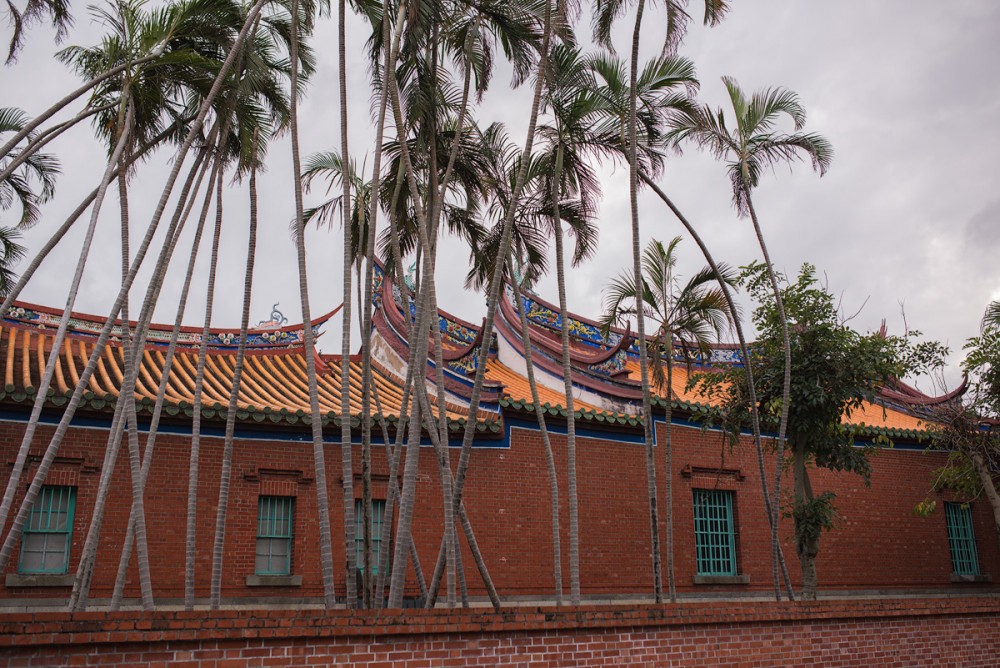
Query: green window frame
point(378, 514)
point(961, 539)
point(714, 532)
point(48, 531)
point(275, 520)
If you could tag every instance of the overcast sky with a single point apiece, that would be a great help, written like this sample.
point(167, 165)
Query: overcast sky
point(907, 91)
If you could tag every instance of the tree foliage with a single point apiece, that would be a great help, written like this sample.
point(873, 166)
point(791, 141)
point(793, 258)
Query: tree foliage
point(836, 372)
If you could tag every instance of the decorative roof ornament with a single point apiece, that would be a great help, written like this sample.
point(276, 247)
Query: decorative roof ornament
point(411, 277)
point(277, 319)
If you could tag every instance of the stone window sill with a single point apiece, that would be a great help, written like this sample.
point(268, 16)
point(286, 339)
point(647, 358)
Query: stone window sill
point(955, 577)
point(39, 580)
point(722, 579)
point(274, 580)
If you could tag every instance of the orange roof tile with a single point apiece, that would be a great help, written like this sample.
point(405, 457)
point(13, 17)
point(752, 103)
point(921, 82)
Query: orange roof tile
point(272, 380)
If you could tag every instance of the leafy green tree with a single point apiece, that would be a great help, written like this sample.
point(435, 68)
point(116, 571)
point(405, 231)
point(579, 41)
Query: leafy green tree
point(970, 427)
point(835, 370)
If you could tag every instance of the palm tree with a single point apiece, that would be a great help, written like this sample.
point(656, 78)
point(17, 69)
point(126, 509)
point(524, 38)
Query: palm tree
point(657, 100)
point(604, 17)
point(567, 143)
point(753, 145)
point(36, 11)
point(18, 186)
point(991, 318)
point(692, 315)
point(319, 458)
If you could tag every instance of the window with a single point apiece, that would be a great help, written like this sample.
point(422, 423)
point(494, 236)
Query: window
point(961, 539)
point(714, 535)
point(48, 531)
point(274, 535)
point(378, 512)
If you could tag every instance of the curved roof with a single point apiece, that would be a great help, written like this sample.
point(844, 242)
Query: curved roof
point(274, 381)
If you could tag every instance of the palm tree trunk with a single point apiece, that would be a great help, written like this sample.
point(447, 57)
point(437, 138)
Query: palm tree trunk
point(669, 477)
point(201, 166)
point(43, 386)
point(786, 385)
point(50, 453)
point(549, 458)
point(84, 571)
point(194, 461)
point(751, 385)
point(61, 104)
point(319, 458)
point(496, 280)
point(367, 384)
point(70, 221)
point(129, 360)
point(639, 315)
point(39, 142)
point(227, 453)
point(442, 450)
point(574, 521)
point(345, 340)
point(989, 486)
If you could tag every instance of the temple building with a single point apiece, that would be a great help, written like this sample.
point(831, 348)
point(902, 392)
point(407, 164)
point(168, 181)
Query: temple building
point(721, 534)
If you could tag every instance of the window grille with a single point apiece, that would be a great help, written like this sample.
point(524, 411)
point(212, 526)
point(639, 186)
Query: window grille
point(378, 512)
point(48, 531)
point(714, 534)
point(961, 539)
point(274, 535)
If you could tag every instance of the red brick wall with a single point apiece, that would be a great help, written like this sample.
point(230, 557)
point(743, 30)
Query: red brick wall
point(879, 543)
point(890, 633)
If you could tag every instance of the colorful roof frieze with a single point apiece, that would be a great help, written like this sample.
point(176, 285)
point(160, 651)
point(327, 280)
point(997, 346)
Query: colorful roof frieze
point(269, 334)
point(460, 340)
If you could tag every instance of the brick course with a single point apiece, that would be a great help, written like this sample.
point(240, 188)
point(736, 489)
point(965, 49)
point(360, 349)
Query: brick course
point(894, 632)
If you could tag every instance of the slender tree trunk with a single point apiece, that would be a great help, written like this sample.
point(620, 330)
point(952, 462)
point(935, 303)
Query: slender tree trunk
point(495, 283)
point(574, 521)
point(201, 166)
point(44, 383)
point(442, 450)
point(61, 104)
point(345, 342)
point(74, 401)
point(84, 571)
point(647, 423)
point(319, 457)
point(367, 384)
point(550, 461)
point(786, 385)
point(751, 385)
point(39, 142)
point(989, 487)
point(129, 356)
point(669, 477)
point(194, 461)
point(227, 453)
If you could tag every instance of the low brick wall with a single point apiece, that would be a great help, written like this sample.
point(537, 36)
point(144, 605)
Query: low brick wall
point(890, 632)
